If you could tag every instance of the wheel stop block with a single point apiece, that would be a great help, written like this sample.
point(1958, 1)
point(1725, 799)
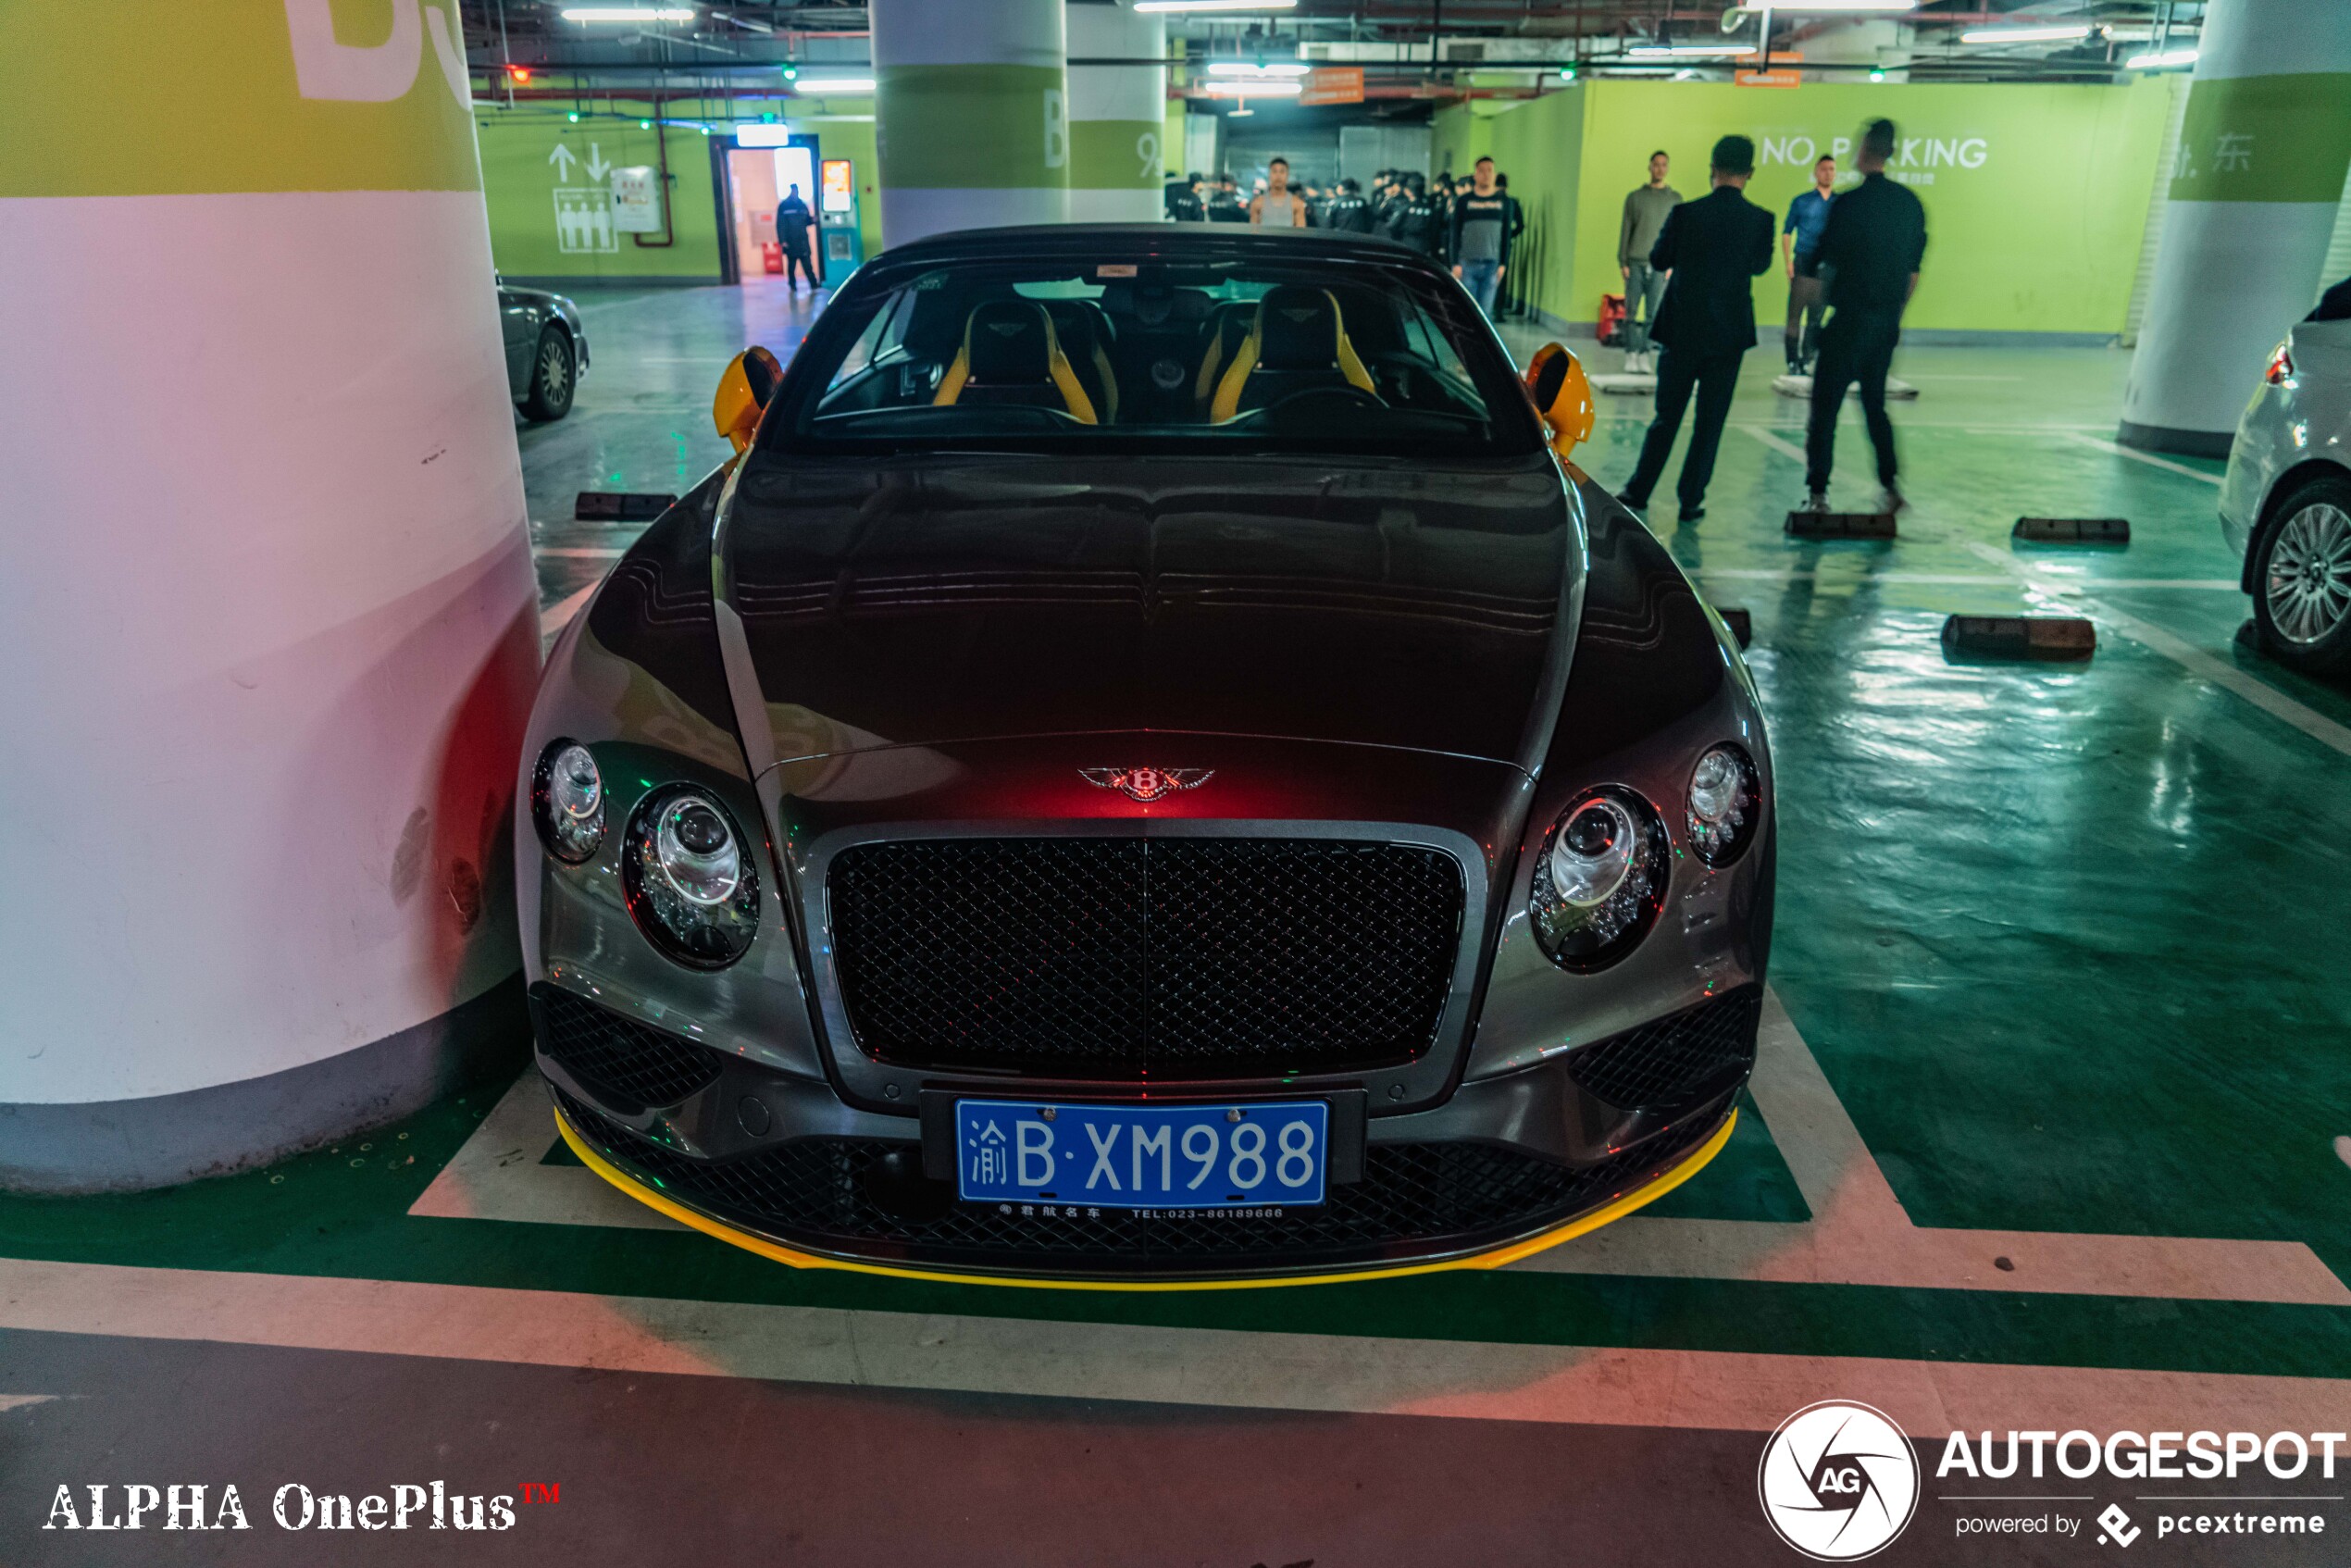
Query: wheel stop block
point(2072, 530)
point(1840, 524)
point(1742, 623)
point(2046, 639)
point(620, 507)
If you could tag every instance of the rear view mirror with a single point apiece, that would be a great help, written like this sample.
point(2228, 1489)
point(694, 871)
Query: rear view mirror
point(1555, 380)
point(743, 391)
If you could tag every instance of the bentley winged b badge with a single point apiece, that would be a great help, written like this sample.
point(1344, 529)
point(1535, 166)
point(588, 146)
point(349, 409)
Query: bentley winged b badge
point(1146, 783)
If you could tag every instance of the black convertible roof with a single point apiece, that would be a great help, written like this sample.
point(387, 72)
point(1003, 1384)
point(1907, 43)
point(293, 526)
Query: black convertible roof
point(1177, 242)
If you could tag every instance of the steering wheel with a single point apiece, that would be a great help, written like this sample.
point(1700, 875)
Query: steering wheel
point(1350, 396)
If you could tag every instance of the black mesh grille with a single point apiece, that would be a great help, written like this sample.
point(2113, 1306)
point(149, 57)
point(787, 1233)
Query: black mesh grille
point(1167, 955)
point(622, 1063)
point(1414, 1200)
point(1675, 1060)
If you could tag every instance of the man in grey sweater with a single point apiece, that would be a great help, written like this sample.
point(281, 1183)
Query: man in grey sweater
point(1645, 210)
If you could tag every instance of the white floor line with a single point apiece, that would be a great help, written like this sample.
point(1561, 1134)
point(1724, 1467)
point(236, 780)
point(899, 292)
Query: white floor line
point(15, 1401)
point(2149, 459)
point(2196, 660)
point(1220, 1368)
point(1776, 441)
point(557, 616)
point(1860, 1232)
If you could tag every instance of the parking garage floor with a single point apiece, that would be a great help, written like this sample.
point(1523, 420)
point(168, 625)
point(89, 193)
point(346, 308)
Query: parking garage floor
point(2051, 1130)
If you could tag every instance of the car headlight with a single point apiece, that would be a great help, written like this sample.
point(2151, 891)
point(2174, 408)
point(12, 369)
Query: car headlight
point(692, 885)
point(568, 801)
point(1726, 800)
point(1600, 878)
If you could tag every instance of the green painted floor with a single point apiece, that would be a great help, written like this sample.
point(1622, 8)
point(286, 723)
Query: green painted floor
point(2067, 942)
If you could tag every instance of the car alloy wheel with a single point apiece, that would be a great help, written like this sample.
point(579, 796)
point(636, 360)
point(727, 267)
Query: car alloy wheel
point(550, 377)
point(2307, 584)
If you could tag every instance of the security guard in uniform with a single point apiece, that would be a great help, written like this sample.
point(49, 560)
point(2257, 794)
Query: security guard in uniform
point(1348, 212)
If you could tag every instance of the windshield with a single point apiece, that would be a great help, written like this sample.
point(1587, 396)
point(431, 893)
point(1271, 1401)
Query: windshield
point(1300, 354)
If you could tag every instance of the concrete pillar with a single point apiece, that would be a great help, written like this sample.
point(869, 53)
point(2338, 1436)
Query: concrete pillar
point(267, 606)
point(971, 115)
point(1118, 156)
point(2262, 154)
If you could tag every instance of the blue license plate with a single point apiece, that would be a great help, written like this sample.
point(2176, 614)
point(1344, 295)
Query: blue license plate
point(1105, 1156)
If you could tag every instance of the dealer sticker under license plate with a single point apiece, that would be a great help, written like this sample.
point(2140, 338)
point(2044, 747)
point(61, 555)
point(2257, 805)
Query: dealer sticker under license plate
point(1141, 1156)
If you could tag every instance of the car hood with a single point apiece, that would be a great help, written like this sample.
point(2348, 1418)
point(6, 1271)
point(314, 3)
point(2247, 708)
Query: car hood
point(938, 600)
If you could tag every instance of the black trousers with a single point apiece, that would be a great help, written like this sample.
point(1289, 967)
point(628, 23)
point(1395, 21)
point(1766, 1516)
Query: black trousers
point(796, 263)
point(1715, 378)
point(1857, 346)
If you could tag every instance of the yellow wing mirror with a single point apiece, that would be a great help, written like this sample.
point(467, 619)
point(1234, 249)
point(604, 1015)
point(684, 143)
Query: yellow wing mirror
point(743, 391)
point(1555, 380)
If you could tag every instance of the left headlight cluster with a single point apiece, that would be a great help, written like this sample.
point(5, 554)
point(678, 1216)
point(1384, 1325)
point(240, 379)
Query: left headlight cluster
point(1599, 880)
point(568, 801)
point(692, 882)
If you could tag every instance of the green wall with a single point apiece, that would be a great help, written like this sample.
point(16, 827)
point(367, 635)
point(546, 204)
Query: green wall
point(520, 182)
point(2035, 197)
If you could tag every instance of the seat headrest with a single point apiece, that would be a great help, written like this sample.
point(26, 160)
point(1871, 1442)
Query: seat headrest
point(1298, 329)
point(1074, 324)
point(1008, 344)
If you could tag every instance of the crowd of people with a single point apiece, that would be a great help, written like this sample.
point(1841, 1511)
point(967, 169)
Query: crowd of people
point(1468, 223)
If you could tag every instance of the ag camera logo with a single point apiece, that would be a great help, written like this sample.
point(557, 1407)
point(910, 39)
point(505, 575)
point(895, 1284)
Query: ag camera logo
point(1838, 1481)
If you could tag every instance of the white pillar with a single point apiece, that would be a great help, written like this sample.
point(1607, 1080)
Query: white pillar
point(2262, 154)
point(971, 114)
point(1117, 116)
point(266, 605)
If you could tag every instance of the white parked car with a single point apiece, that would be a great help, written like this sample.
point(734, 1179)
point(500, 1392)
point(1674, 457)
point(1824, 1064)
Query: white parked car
point(2286, 501)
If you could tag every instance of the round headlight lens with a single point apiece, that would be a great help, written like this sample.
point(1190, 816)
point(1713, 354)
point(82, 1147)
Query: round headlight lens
point(691, 884)
point(567, 800)
point(1724, 802)
point(1599, 881)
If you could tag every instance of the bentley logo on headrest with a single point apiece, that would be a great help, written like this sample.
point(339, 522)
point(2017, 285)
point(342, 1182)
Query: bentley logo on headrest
point(1006, 328)
point(1302, 314)
point(1146, 783)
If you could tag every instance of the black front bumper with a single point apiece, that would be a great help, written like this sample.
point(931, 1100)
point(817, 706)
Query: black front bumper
point(646, 1102)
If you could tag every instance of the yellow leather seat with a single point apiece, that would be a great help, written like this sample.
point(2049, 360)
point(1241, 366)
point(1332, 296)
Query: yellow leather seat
point(1011, 354)
point(1296, 342)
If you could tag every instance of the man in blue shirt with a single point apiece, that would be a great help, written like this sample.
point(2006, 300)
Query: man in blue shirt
point(1800, 247)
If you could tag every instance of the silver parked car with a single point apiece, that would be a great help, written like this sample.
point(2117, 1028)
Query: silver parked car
point(2286, 501)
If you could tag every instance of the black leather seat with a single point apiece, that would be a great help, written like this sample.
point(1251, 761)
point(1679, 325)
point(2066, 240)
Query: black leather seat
point(1297, 343)
point(1220, 343)
point(1011, 354)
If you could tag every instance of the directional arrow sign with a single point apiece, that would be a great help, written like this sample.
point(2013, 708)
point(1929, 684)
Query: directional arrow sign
point(597, 167)
point(563, 158)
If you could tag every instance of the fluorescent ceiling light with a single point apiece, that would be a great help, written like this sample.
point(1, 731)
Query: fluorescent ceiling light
point(833, 84)
point(1828, 5)
point(1148, 6)
point(2026, 35)
point(1244, 87)
point(2159, 62)
point(1246, 68)
point(629, 13)
point(1686, 51)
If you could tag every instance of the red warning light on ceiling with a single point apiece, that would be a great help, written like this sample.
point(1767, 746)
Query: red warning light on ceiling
point(518, 75)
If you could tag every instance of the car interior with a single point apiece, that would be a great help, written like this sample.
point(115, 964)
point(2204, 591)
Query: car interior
point(1151, 350)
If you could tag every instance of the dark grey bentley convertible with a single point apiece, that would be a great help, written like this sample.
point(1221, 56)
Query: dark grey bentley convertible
point(1148, 768)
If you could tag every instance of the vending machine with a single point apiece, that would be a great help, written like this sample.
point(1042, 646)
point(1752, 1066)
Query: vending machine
point(843, 240)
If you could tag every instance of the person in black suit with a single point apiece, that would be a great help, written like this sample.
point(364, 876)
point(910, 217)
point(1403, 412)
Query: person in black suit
point(1714, 248)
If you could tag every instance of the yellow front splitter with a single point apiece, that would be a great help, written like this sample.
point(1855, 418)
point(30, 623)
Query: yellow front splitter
point(1509, 1252)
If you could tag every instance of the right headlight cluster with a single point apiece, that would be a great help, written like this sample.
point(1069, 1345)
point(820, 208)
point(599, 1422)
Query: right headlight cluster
point(1599, 881)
